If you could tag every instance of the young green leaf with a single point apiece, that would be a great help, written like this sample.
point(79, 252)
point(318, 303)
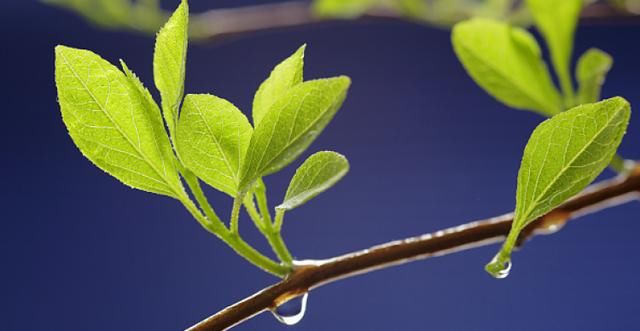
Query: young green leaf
point(563, 155)
point(557, 21)
point(591, 71)
point(506, 62)
point(292, 124)
point(342, 8)
point(283, 77)
point(212, 138)
point(316, 175)
point(113, 123)
point(169, 63)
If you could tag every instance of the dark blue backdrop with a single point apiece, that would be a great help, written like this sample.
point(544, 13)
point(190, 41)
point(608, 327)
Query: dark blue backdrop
point(428, 149)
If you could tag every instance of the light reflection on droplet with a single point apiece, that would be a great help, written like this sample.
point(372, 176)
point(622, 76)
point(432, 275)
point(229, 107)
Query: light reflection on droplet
point(499, 267)
point(292, 311)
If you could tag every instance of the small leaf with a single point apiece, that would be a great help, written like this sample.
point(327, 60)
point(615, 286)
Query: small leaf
point(169, 63)
point(342, 8)
point(284, 76)
point(563, 155)
point(557, 21)
point(212, 139)
point(506, 62)
point(113, 123)
point(292, 124)
point(316, 175)
point(591, 71)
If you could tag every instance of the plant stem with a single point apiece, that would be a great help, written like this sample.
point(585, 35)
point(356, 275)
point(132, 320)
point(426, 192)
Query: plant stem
point(235, 242)
point(619, 164)
point(471, 235)
point(261, 196)
point(271, 233)
point(194, 185)
point(280, 248)
point(235, 215)
point(245, 250)
point(250, 207)
point(274, 237)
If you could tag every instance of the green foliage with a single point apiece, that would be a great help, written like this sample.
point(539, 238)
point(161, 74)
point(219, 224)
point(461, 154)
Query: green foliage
point(284, 76)
point(112, 123)
point(591, 71)
point(557, 21)
point(343, 8)
point(563, 155)
point(169, 63)
point(291, 125)
point(506, 62)
point(212, 139)
point(116, 124)
point(144, 16)
point(316, 175)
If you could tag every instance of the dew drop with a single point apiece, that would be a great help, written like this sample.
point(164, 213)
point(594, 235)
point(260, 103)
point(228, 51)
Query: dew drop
point(292, 311)
point(499, 267)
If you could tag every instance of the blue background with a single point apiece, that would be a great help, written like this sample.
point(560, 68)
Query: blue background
point(428, 148)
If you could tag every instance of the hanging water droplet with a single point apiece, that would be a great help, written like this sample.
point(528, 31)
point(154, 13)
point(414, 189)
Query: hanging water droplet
point(499, 267)
point(292, 311)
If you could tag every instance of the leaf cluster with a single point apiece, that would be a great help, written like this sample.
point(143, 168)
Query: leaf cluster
point(568, 151)
point(118, 126)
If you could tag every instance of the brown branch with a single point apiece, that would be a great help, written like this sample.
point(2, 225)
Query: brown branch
point(233, 21)
point(312, 274)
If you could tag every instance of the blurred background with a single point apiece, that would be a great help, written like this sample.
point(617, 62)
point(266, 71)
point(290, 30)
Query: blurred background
point(428, 149)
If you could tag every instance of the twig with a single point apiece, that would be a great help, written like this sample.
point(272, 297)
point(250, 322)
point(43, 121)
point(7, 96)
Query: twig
point(233, 21)
point(312, 274)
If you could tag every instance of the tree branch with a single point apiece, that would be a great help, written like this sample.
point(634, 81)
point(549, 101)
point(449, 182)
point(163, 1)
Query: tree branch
point(239, 20)
point(309, 275)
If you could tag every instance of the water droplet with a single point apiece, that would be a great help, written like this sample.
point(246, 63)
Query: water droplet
point(292, 311)
point(499, 267)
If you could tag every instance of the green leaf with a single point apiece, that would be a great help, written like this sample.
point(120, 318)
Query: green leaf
point(316, 175)
point(506, 62)
point(212, 138)
point(591, 71)
point(113, 123)
point(563, 155)
point(169, 63)
point(283, 77)
point(342, 8)
point(557, 22)
point(292, 124)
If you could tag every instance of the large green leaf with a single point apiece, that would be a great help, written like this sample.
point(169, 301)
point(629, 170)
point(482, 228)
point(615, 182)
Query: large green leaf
point(291, 125)
point(316, 175)
point(506, 62)
point(563, 155)
point(212, 139)
point(557, 21)
point(169, 63)
point(591, 71)
point(113, 123)
point(284, 76)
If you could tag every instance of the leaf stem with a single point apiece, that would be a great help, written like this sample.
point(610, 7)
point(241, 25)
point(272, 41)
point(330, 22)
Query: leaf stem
point(235, 215)
point(249, 253)
point(250, 207)
point(272, 234)
point(194, 185)
point(567, 89)
point(619, 164)
point(261, 196)
point(279, 247)
point(234, 241)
